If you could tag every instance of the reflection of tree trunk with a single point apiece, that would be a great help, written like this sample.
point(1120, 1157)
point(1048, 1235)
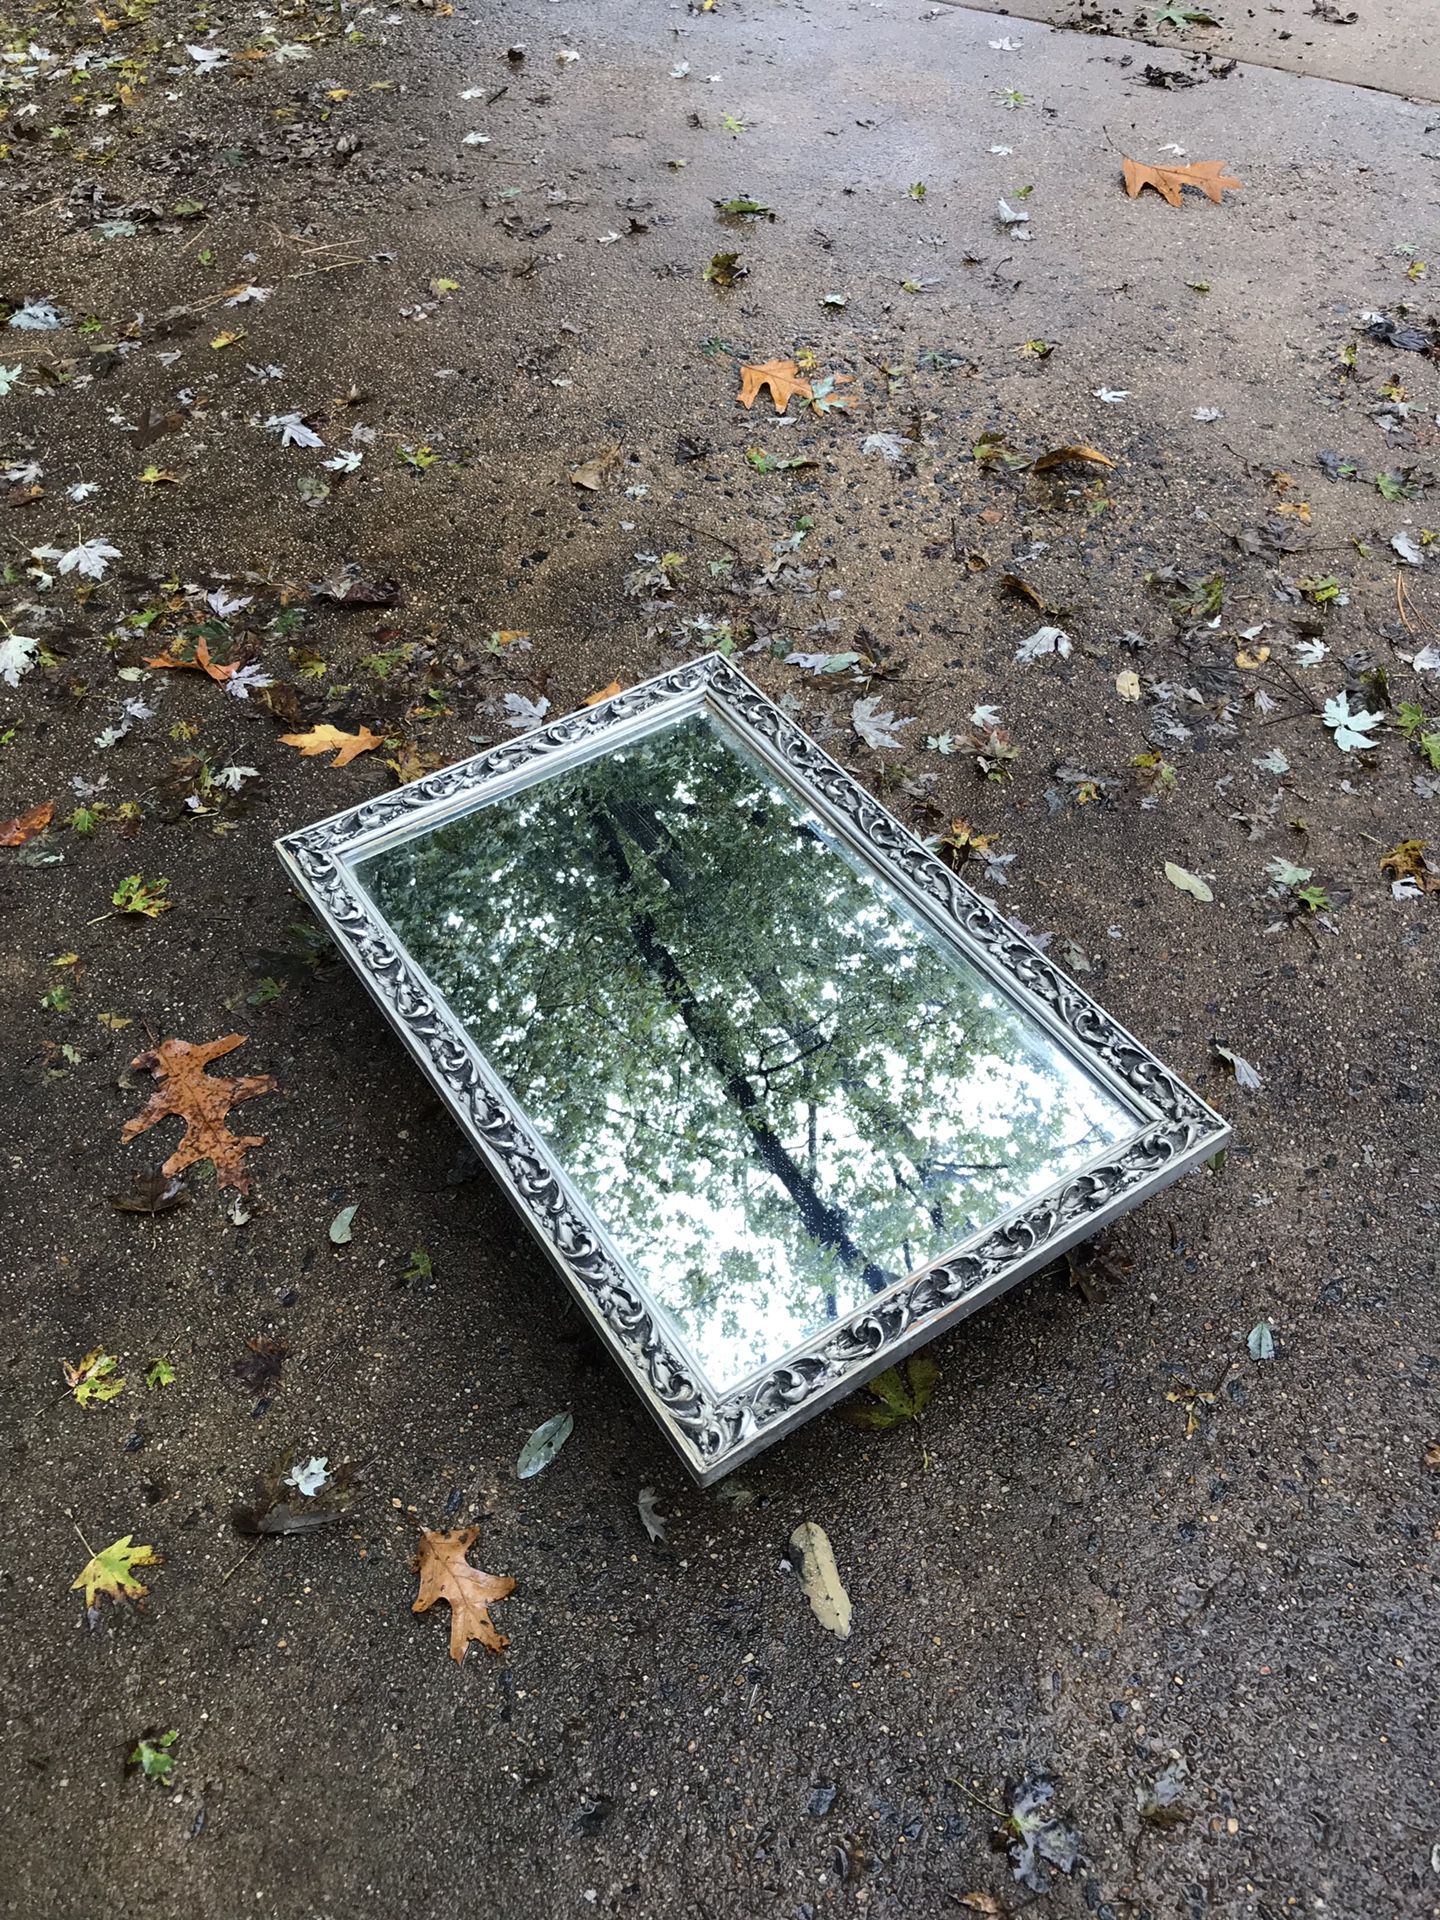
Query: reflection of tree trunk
point(825, 1224)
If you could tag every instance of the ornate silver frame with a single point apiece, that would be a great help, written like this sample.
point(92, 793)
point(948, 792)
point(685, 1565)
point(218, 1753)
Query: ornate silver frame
point(714, 1433)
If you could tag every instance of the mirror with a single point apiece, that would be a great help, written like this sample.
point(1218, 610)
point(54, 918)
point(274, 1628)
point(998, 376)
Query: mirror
point(775, 1085)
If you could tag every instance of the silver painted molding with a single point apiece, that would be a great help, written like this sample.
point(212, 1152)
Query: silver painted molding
point(714, 1434)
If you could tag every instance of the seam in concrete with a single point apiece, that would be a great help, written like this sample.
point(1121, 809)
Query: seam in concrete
point(1241, 59)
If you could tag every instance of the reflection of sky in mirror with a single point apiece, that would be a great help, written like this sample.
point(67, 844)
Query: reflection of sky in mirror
point(779, 1091)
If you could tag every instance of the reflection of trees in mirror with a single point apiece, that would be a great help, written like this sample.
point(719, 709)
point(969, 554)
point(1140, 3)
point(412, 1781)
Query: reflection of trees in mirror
point(777, 1091)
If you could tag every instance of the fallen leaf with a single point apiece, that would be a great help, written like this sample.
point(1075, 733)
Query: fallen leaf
point(202, 1101)
point(543, 1445)
point(110, 1572)
point(591, 474)
point(25, 826)
point(1351, 730)
point(1261, 1341)
point(153, 1756)
point(446, 1574)
point(781, 376)
point(651, 1517)
point(1206, 176)
point(1187, 882)
point(902, 1394)
point(259, 1366)
point(1245, 1074)
point(295, 1496)
point(349, 588)
point(199, 659)
point(1044, 640)
point(1059, 456)
point(1407, 861)
point(725, 269)
point(159, 1373)
point(1036, 1836)
point(342, 1226)
point(1127, 684)
point(146, 898)
point(94, 1380)
point(1162, 1803)
point(325, 738)
point(605, 693)
point(820, 1578)
point(876, 729)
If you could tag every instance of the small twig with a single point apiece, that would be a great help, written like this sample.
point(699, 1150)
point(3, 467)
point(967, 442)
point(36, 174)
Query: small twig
point(69, 1515)
point(995, 1811)
point(704, 533)
point(249, 1554)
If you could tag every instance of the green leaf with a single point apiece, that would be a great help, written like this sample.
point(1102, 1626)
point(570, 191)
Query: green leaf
point(95, 1380)
point(742, 208)
point(420, 1267)
point(764, 462)
point(1391, 487)
point(153, 1756)
point(340, 1227)
point(543, 1445)
point(159, 1373)
point(903, 1394)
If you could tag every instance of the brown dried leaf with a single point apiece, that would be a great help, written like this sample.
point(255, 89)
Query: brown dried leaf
point(25, 826)
point(259, 1366)
point(1059, 456)
point(1012, 583)
point(151, 1193)
point(1206, 176)
point(605, 693)
point(781, 376)
point(325, 739)
point(446, 1574)
point(202, 1101)
point(593, 473)
point(1408, 861)
point(199, 659)
point(349, 588)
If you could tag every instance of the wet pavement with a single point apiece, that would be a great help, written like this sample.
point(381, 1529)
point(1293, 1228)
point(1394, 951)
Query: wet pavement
point(1127, 1552)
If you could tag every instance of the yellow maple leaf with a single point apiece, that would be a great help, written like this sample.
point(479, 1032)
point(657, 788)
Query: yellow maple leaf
point(326, 739)
point(109, 1571)
point(94, 1378)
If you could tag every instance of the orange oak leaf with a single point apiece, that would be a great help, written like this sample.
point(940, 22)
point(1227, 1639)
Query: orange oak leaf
point(781, 376)
point(605, 693)
point(25, 826)
point(1207, 176)
point(200, 659)
point(202, 1101)
point(327, 739)
point(446, 1574)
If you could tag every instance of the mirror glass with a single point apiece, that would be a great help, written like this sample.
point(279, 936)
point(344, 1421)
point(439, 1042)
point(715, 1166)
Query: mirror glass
point(776, 1087)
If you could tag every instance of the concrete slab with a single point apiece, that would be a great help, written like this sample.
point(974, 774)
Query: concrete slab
point(1125, 1548)
point(1390, 44)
